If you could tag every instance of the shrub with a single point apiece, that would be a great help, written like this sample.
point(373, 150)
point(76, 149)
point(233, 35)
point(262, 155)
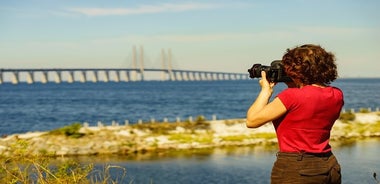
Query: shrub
point(347, 116)
point(70, 131)
point(364, 110)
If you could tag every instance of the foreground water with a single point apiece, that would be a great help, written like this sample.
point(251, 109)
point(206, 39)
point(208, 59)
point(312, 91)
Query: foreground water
point(239, 165)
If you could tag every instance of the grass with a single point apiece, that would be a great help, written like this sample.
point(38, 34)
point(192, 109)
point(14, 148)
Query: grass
point(165, 128)
point(250, 136)
point(362, 128)
point(23, 168)
point(191, 138)
point(69, 131)
point(347, 116)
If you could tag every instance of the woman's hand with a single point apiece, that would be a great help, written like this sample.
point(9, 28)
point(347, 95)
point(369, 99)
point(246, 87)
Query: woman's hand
point(265, 84)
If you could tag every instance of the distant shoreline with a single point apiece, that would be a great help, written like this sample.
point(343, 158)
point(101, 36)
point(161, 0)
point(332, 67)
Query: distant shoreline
point(84, 140)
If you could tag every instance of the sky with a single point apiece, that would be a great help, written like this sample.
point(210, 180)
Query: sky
point(207, 35)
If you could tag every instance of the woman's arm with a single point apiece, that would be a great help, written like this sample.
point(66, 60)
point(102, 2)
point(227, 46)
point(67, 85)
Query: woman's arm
point(261, 111)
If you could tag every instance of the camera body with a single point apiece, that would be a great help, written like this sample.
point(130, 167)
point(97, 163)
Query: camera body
point(275, 72)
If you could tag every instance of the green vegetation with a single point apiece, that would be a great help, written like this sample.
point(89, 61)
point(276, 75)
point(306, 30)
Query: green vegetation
point(23, 168)
point(363, 128)
point(250, 136)
point(233, 122)
point(364, 110)
point(165, 128)
point(347, 116)
point(191, 138)
point(70, 131)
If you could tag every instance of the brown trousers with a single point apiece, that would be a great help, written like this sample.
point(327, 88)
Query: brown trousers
point(306, 169)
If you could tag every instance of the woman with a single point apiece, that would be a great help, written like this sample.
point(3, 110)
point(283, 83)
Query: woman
point(303, 115)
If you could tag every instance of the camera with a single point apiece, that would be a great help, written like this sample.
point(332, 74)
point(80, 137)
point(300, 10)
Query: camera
point(275, 72)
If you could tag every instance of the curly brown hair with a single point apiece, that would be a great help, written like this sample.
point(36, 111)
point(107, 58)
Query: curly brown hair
point(310, 64)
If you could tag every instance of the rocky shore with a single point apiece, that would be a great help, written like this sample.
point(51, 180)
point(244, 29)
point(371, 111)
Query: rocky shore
point(78, 139)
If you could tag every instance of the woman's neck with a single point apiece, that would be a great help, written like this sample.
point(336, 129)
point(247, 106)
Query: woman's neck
point(318, 85)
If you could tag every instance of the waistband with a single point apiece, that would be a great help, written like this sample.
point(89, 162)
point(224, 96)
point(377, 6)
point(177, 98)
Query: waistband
point(302, 155)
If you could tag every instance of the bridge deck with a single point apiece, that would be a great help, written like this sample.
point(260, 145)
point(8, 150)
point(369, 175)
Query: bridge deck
point(109, 74)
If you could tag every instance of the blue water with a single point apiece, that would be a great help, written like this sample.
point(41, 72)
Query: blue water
point(40, 107)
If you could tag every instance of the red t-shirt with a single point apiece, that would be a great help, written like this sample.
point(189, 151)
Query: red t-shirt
point(311, 113)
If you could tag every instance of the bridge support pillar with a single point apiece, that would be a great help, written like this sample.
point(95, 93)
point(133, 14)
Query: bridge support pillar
point(61, 75)
point(127, 76)
point(142, 75)
point(189, 76)
point(182, 76)
point(106, 76)
point(70, 77)
point(135, 75)
point(29, 78)
point(208, 76)
point(199, 75)
point(1, 77)
point(44, 77)
point(94, 76)
point(117, 76)
point(172, 76)
point(204, 76)
point(82, 76)
point(177, 76)
point(58, 77)
point(15, 78)
point(193, 76)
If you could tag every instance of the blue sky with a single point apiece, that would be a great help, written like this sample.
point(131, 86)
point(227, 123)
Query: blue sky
point(202, 35)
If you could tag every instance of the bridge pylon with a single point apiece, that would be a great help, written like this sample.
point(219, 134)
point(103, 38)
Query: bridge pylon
point(167, 66)
point(138, 68)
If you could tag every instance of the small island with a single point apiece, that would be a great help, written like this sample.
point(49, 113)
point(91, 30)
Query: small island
point(81, 139)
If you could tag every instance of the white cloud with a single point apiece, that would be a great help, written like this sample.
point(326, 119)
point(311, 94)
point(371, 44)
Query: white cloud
point(144, 9)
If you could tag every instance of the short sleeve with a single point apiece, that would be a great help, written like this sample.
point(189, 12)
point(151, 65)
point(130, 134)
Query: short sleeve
point(288, 98)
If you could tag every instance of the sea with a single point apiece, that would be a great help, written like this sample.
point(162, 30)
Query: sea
point(43, 107)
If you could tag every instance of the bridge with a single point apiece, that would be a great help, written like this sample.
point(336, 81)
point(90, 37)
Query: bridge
point(137, 72)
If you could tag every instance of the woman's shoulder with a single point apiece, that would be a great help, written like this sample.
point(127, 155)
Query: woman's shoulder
point(337, 91)
point(336, 88)
point(290, 92)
